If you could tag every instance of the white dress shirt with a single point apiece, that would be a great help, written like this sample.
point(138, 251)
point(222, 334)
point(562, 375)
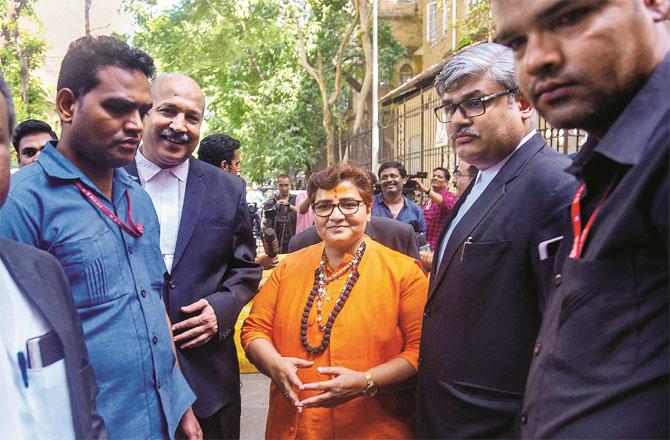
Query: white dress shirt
point(484, 177)
point(41, 410)
point(166, 187)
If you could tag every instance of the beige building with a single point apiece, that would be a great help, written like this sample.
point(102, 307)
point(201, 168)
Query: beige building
point(431, 30)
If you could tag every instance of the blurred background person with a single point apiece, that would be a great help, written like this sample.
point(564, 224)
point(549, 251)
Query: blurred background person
point(29, 139)
point(280, 212)
point(222, 151)
point(391, 202)
point(325, 381)
point(304, 216)
point(439, 203)
point(463, 175)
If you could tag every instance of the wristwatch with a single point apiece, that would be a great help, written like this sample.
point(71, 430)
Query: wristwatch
point(371, 389)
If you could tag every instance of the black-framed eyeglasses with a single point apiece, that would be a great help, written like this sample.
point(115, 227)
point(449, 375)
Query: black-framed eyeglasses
point(470, 108)
point(346, 207)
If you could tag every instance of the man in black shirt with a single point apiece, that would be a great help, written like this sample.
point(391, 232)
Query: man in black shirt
point(281, 213)
point(600, 366)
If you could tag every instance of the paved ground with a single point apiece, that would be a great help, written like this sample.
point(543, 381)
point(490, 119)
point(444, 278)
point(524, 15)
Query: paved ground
point(255, 392)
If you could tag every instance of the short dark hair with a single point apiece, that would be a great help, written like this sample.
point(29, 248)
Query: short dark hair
point(335, 174)
point(446, 172)
point(87, 55)
point(216, 148)
point(9, 103)
point(400, 167)
point(30, 126)
point(472, 170)
point(283, 176)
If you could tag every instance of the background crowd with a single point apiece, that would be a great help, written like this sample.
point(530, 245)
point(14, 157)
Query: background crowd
point(532, 302)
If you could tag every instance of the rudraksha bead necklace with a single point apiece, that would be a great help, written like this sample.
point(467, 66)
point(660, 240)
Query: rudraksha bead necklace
point(319, 292)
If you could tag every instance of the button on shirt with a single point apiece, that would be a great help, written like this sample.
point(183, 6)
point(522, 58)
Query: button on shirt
point(165, 185)
point(41, 410)
point(603, 367)
point(46, 210)
point(484, 177)
point(410, 213)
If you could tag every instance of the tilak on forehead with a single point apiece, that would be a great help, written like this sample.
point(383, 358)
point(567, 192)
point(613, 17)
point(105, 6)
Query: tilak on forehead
point(338, 191)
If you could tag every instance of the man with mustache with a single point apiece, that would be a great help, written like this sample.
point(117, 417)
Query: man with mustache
point(601, 360)
point(391, 203)
point(77, 204)
point(207, 245)
point(486, 287)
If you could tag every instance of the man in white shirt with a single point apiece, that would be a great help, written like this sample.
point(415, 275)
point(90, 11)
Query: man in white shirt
point(46, 382)
point(486, 288)
point(207, 245)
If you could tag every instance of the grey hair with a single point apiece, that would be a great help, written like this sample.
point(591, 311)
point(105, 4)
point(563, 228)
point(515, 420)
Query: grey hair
point(11, 116)
point(491, 59)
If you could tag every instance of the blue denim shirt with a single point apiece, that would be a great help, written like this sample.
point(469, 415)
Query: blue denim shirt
point(411, 213)
point(116, 283)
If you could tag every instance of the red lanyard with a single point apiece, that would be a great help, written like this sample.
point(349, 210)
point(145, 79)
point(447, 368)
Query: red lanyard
point(134, 229)
point(576, 217)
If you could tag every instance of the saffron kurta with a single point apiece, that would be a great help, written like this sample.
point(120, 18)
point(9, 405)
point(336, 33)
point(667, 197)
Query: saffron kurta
point(381, 320)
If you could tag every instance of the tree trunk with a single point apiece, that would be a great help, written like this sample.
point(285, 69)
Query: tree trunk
point(25, 75)
point(361, 99)
point(317, 73)
point(87, 16)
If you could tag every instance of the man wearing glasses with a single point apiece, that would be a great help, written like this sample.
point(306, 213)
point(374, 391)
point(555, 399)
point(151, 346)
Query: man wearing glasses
point(463, 175)
point(29, 138)
point(486, 288)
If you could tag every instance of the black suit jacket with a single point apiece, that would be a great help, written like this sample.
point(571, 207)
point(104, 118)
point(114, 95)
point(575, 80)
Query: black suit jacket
point(485, 298)
point(391, 233)
point(40, 277)
point(214, 259)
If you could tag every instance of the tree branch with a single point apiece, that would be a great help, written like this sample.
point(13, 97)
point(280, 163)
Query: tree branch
point(339, 57)
point(302, 50)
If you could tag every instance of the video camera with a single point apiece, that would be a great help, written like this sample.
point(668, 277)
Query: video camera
point(273, 210)
point(411, 187)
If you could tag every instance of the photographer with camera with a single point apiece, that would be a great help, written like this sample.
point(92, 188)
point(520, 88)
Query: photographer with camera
point(439, 203)
point(391, 202)
point(280, 213)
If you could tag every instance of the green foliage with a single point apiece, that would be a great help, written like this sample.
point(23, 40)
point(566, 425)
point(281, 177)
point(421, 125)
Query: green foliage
point(244, 55)
point(244, 59)
point(390, 52)
point(19, 40)
point(478, 26)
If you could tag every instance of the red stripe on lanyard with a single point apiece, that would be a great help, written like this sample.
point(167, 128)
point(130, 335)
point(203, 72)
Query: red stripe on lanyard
point(134, 229)
point(576, 218)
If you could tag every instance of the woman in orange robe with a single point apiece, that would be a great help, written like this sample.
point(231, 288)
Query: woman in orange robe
point(338, 324)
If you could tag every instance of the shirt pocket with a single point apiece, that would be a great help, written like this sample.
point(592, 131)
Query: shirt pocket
point(596, 326)
point(93, 268)
point(48, 398)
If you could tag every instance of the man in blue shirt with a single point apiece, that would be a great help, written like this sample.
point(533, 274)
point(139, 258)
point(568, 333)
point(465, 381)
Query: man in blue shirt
point(78, 205)
point(391, 202)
